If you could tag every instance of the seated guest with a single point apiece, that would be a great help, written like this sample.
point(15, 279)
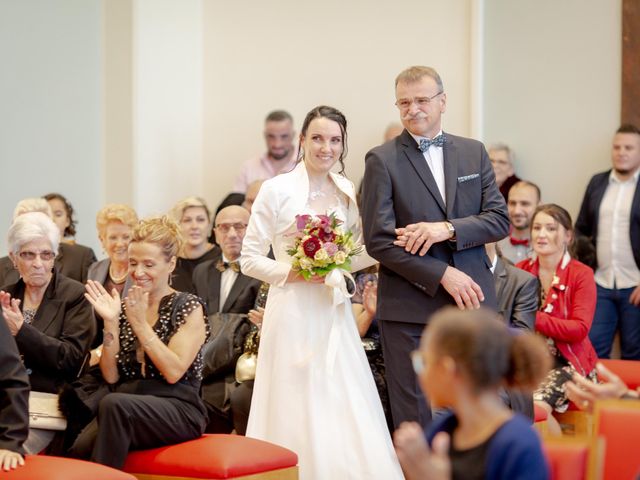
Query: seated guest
point(584, 392)
point(464, 358)
point(252, 193)
point(364, 304)
point(114, 222)
point(77, 258)
point(192, 214)
point(72, 261)
point(14, 401)
point(46, 312)
point(517, 295)
point(566, 307)
point(223, 287)
point(150, 355)
point(502, 162)
point(523, 199)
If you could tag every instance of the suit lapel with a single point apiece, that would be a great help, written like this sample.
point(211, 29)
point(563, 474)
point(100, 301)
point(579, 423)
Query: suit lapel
point(47, 313)
point(450, 155)
point(214, 287)
point(236, 290)
point(419, 164)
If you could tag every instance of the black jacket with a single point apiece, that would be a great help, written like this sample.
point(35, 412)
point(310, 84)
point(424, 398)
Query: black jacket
point(54, 346)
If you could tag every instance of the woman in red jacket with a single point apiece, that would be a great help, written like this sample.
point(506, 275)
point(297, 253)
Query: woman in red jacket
point(566, 308)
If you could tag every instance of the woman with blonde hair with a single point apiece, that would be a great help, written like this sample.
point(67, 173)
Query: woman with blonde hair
point(151, 354)
point(194, 218)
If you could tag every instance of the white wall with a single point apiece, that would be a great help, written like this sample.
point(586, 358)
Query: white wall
point(552, 89)
point(50, 114)
point(295, 55)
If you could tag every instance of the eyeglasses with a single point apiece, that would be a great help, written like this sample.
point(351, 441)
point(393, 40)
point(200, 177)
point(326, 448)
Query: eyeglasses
point(417, 361)
point(45, 255)
point(404, 104)
point(226, 227)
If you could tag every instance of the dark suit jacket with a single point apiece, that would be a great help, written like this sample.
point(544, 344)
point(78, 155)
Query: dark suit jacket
point(587, 222)
point(14, 393)
point(517, 294)
point(54, 345)
point(241, 298)
point(72, 261)
point(399, 189)
point(217, 389)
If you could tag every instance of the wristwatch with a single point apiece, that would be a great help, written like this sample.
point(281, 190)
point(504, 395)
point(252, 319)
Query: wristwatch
point(452, 231)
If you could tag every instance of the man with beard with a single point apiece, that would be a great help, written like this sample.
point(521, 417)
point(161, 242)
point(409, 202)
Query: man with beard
point(281, 154)
point(610, 216)
point(429, 204)
point(524, 197)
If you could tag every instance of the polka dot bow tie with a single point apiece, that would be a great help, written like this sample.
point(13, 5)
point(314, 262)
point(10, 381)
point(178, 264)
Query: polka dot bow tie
point(222, 266)
point(425, 143)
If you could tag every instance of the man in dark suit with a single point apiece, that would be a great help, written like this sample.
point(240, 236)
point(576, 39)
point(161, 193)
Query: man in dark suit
point(610, 217)
point(14, 401)
point(225, 289)
point(430, 203)
point(517, 295)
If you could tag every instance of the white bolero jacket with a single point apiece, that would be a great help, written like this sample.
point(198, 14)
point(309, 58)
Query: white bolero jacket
point(272, 216)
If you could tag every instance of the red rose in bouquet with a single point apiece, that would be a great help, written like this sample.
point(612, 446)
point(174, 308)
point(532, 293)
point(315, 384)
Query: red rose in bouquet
point(310, 246)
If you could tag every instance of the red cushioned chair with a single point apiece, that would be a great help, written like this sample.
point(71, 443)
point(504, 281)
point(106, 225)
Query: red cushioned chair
point(43, 467)
point(572, 458)
point(618, 423)
point(215, 457)
point(627, 370)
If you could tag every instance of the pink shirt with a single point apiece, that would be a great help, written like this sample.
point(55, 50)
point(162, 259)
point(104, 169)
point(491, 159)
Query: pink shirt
point(262, 168)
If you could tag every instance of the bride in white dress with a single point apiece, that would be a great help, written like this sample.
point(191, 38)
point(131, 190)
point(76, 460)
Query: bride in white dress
point(314, 392)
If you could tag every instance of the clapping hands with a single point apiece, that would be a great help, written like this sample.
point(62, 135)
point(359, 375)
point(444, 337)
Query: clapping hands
point(106, 305)
point(11, 312)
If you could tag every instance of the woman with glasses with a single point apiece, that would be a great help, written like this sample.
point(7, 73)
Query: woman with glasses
point(193, 216)
point(465, 357)
point(46, 312)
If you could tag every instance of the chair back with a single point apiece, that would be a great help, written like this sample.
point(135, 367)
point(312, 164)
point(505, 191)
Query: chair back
point(572, 458)
point(618, 423)
point(627, 370)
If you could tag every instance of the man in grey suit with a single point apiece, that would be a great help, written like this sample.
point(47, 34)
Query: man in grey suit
point(430, 203)
point(223, 287)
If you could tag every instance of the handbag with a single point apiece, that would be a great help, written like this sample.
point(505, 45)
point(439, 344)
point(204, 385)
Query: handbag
point(44, 412)
point(247, 362)
point(228, 332)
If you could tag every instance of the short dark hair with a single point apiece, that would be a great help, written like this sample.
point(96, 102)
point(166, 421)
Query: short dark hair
point(628, 128)
point(278, 116)
point(527, 183)
point(70, 231)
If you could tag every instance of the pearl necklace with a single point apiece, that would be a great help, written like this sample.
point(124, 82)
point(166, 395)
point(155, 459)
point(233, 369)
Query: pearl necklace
point(113, 277)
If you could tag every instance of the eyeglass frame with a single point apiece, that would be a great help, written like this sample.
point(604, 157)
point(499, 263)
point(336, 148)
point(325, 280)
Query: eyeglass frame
point(29, 256)
point(226, 227)
point(419, 101)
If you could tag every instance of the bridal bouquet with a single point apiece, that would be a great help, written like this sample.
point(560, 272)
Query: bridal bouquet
point(321, 246)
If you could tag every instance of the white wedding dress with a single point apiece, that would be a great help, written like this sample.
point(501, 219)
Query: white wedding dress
point(314, 392)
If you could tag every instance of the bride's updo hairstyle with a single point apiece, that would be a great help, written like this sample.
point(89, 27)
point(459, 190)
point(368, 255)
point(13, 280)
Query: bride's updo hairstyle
point(488, 354)
point(330, 113)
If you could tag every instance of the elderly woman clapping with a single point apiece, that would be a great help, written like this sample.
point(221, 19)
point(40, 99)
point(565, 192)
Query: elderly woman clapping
point(47, 314)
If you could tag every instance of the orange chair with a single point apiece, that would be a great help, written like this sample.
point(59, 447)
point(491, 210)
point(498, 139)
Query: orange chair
point(618, 423)
point(627, 370)
point(215, 457)
point(572, 458)
point(55, 468)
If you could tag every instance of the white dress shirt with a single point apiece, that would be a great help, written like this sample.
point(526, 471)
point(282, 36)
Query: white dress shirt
point(616, 264)
point(227, 279)
point(435, 160)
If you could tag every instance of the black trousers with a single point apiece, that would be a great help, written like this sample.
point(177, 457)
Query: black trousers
point(236, 416)
point(128, 421)
point(408, 402)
